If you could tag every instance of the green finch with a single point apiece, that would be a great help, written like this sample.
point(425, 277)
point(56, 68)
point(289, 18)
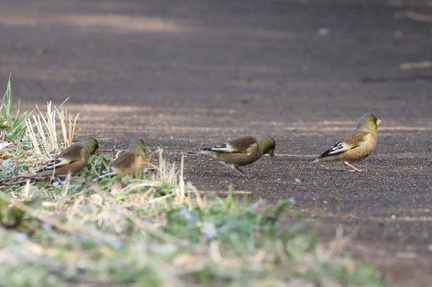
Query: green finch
point(71, 159)
point(131, 162)
point(241, 151)
point(357, 146)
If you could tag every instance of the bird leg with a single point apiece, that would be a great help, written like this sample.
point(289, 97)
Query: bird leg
point(239, 171)
point(353, 168)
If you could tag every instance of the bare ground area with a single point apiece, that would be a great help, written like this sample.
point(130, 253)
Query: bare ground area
point(188, 74)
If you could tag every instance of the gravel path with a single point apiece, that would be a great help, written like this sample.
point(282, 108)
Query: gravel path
point(188, 74)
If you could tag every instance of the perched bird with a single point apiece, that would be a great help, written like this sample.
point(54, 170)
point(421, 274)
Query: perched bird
point(240, 152)
point(131, 162)
point(357, 146)
point(71, 159)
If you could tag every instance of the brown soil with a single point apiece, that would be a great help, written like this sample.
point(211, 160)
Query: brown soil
point(188, 74)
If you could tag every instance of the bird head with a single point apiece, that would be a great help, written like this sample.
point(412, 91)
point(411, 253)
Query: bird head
point(89, 143)
point(137, 146)
point(267, 145)
point(369, 123)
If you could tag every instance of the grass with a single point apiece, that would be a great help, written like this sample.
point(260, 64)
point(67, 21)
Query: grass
point(10, 124)
point(42, 131)
point(155, 230)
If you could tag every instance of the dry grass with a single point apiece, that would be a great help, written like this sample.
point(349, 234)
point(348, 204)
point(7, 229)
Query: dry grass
point(42, 129)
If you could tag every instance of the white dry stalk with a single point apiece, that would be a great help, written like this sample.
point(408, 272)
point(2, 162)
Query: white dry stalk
point(214, 251)
point(140, 184)
point(66, 185)
point(37, 134)
point(68, 123)
point(42, 129)
point(42, 132)
point(180, 190)
point(49, 128)
point(339, 243)
point(198, 199)
point(33, 136)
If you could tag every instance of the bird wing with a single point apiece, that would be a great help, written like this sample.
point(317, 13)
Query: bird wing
point(55, 164)
point(226, 147)
point(124, 160)
point(356, 139)
point(338, 148)
point(68, 156)
point(348, 143)
point(121, 163)
point(242, 145)
point(106, 173)
point(58, 162)
point(74, 153)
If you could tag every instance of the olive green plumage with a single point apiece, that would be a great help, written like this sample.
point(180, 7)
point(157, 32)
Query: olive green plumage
point(241, 151)
point(131, 162)
point(356, 146)
point(71, 159)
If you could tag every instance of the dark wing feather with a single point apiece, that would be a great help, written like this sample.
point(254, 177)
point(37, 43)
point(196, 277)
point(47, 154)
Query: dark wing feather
point(240, 145)
point(348, 143)
point(334, 150)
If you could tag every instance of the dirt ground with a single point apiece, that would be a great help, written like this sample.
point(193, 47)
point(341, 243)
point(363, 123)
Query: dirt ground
point(189, 74)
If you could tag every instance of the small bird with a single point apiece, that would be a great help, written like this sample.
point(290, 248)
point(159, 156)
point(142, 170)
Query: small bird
point(71, 159)
point(131, 162)
point(357, 146)
point(241, 151)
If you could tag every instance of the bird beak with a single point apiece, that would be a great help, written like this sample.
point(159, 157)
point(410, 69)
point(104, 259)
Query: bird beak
point(271, 153)
point(378, 122)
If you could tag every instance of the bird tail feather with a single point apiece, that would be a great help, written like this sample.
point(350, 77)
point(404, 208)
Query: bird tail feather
point(203, 151)
point(103, 175)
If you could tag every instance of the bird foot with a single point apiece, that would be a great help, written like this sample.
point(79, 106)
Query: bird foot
point(353, 168)
point(356, 170)
point(239, 172)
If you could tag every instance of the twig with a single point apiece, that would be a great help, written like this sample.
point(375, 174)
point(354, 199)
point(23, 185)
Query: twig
point(226, 192)
point(416, 65)
point(418, 17)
